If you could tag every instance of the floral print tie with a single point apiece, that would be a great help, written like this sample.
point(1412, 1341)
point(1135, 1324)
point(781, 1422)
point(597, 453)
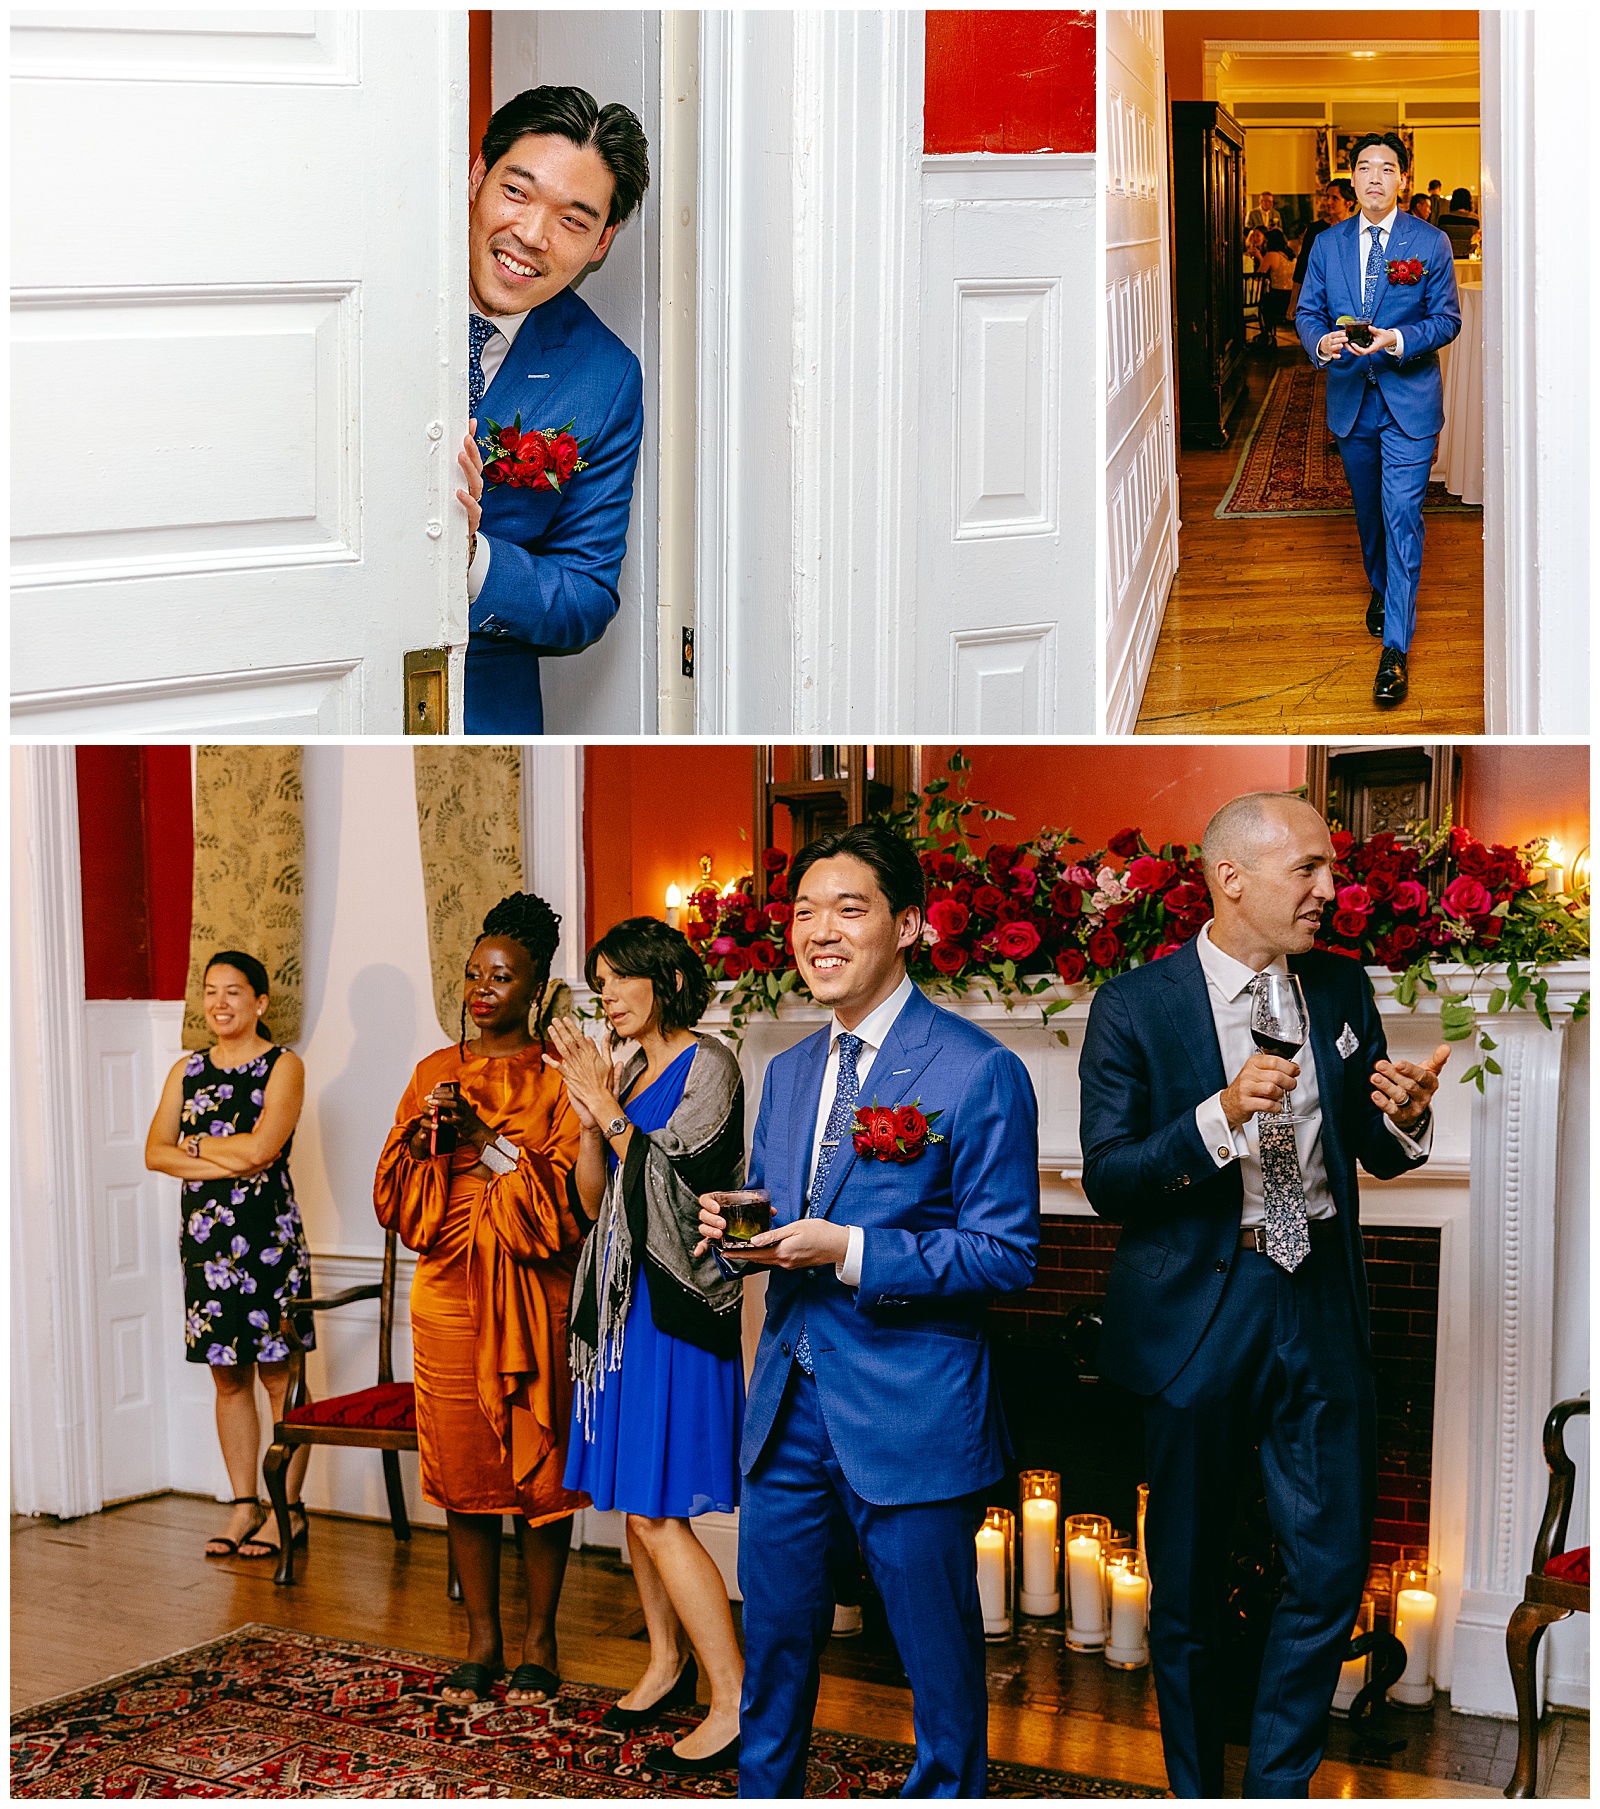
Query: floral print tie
point(481, 331)
point(844, 1107)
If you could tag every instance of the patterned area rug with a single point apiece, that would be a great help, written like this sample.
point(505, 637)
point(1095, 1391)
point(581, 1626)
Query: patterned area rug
point(1290, 466)
point(265, 1712)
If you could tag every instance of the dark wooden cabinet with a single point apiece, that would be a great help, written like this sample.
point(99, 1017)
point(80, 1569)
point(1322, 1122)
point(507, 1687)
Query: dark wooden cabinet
point(1208, 266)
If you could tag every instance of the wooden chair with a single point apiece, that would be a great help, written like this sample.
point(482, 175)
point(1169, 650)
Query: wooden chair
point(1544, 1598)
point(383, 1418)
point(1255, 287)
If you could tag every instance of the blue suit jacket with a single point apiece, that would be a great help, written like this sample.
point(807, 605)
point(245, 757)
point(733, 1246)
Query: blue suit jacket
point(1150, 1056)
point(554, 555)
point(1427, 313)
point(902, 1363)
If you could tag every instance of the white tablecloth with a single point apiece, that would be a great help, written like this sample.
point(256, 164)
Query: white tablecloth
point(1458, 465)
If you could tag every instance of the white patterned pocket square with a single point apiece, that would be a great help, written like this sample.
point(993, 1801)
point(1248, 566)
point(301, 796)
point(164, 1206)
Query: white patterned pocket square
point(1348, 1042)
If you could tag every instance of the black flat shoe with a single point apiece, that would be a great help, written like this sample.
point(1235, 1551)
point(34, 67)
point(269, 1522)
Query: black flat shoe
point(1375, 615)
point(1390, 686)
point(618, 1720)
point(727, 1759)
point(530, 1677)
point(470, 1675)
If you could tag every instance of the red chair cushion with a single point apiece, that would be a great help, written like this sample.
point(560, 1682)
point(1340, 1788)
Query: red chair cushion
point(1570, 1566)
point(390, 1407)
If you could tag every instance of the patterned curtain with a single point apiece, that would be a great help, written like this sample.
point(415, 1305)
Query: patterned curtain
point(249, 876)
point(469, 817)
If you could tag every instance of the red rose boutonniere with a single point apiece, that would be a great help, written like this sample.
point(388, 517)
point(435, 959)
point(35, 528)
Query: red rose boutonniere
point(893, 1133)
point(543, 458)
point(1406, 271)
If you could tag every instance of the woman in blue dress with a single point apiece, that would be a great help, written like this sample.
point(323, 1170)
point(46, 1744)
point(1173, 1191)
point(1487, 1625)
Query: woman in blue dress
point(655, 1338)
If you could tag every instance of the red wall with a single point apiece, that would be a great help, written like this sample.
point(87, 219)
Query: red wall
point(136, 853)
point(1009, 81)
point(1512, 794)
point(1185, 33)
point(480, 63)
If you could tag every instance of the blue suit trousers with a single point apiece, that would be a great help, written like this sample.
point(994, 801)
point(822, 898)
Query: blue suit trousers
point(1282, 1366)
point(798, 1519)
point(1388, 473)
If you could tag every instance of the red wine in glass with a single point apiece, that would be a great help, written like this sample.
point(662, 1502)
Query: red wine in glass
point(1279, 1023)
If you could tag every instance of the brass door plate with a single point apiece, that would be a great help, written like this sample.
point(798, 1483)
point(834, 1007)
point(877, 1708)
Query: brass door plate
point(427, 692)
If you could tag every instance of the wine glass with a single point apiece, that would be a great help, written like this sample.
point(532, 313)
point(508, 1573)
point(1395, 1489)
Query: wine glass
point(1279, 1024)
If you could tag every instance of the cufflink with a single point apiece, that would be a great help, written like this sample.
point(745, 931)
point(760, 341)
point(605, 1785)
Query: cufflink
point(1223, 1154)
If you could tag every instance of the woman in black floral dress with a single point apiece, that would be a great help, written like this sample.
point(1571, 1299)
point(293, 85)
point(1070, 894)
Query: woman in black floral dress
point(224, 1128)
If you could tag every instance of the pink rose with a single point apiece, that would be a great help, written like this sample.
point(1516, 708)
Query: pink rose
point(1354, 898)
point(1409, 896)
point(1465, 897)
point(1149, 873)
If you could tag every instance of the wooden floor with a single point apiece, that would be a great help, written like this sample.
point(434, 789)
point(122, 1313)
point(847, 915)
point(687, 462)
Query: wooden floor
point(93, 1597)
point(1264, 632)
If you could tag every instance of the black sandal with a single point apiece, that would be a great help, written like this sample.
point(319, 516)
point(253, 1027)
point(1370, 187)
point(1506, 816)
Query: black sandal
point(230, 1547)
point(529, 1676)
point(470, 1675)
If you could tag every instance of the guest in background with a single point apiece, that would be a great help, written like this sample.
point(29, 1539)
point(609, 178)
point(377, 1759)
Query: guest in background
point(224, 1127)
point(1435, 200)
point(1336, 202)
point(1255, 245)
point(1278, 268)
point(1421, 208)
point(658, 1378)
point(473, 1177)
point(1460, 223)
point(1264, 216)
point(1237, 1303)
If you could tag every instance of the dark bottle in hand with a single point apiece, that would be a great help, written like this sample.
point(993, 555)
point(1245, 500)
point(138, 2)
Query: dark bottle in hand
point(442, 1131)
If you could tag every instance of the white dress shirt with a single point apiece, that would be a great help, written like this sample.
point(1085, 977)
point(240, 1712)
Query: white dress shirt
point(872, 1029)
point(1363, 251)
point(1227, 987)
point(494, 353)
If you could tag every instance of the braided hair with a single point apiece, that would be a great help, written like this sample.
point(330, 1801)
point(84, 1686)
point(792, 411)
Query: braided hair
point(523, 918)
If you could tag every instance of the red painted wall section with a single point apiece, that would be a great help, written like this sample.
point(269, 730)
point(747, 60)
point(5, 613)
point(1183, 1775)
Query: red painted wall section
point(480, 65)
point(1008, 82)
point(1512, 794)
point(136, 854)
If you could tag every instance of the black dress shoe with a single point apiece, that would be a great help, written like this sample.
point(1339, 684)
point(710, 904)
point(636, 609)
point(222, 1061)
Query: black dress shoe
point(1390, 686)
point(618, 1720)
point(725, 1759)
point(1375, 616)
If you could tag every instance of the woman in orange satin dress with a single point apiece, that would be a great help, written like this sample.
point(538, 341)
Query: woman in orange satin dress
point(497, 1245)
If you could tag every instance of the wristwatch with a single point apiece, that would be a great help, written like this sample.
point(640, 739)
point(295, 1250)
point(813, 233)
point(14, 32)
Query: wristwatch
point(616, 1127)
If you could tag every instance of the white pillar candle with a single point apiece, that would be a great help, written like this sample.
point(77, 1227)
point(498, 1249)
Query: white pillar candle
point(1084, 1580)
point(1039, 1548)
point(1414, 1611)
point(1129, 1592)
point(992, 1579)
point(1352, 1676)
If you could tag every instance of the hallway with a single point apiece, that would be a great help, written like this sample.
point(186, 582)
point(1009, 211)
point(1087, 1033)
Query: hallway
point(1264, 633)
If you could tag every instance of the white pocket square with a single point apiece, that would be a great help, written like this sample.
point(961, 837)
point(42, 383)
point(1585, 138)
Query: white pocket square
point(1348, 1042)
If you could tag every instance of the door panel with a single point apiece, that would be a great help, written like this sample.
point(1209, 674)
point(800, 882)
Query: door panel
point(1141, 452)
point(247, 357)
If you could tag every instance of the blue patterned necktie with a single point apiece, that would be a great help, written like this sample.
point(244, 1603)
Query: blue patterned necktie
point(482, 331)
point(1369, 295)
point(844, 1109)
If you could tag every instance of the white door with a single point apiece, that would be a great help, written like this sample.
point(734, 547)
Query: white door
point(1141, 451)
point(612, 687)
point(238, 363)
point(138, 1322)
point(1005, 623)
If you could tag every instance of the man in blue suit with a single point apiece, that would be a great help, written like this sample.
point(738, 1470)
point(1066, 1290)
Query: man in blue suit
point(557, 399)
point(1237, 1303)
point(872, 1415)
point(1386, 397)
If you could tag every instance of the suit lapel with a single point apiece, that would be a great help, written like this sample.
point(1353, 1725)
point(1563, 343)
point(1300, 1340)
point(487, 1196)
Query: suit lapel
point(1322, 1011)
point(533, 368)
point(1399, 240)
point(807, 1098)
point(907, 1050)
point(1188, 1005)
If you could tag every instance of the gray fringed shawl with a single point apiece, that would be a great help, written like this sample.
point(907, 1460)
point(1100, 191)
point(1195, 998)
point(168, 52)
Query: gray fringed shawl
point(651, 1212)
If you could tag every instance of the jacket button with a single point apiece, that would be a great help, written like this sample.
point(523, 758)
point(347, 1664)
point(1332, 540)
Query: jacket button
point(1222, 1268)
point(1183, 1180)
point(784, 1348)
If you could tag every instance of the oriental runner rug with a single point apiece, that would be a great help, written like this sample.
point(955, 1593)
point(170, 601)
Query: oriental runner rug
point(265, 1712)
point(1289, 464)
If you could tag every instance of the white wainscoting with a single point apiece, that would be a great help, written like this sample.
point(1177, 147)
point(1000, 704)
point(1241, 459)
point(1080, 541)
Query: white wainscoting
point(1141, 446)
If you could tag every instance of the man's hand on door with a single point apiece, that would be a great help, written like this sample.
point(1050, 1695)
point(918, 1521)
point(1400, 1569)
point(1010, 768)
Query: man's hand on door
point(471, 461)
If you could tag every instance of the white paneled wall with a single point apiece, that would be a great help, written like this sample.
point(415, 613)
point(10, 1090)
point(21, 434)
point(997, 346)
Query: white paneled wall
point(1141, 452)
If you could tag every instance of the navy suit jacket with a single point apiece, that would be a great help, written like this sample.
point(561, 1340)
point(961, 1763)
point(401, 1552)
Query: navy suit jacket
point(902, 1362)
point(1150, 1056)
point(554, 556)
point(1427, 313)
